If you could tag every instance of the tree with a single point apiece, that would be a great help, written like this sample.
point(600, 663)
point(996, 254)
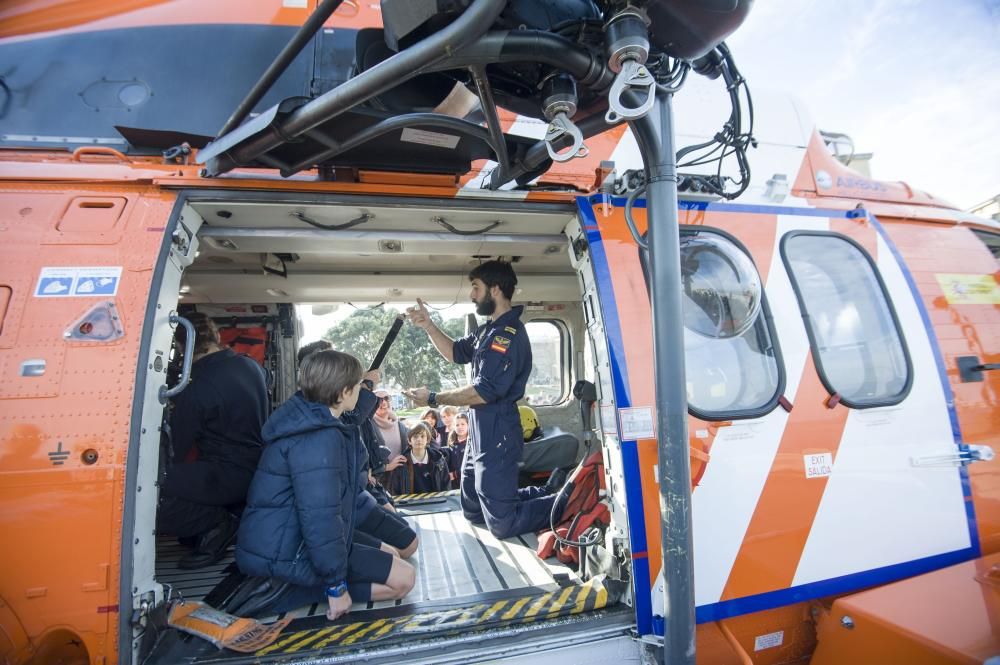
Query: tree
point(412, 361)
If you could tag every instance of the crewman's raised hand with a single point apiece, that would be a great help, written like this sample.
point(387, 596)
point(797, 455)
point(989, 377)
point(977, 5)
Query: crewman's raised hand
point(419, 396)
point(418, 315)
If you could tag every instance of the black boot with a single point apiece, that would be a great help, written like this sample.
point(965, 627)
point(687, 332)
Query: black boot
point(556, 480)
point(211, 545)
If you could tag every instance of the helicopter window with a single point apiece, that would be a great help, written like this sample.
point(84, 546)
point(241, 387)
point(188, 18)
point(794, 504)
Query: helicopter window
point(547, 383)
point(732, 358)
point(992, 241)
point(856, 340)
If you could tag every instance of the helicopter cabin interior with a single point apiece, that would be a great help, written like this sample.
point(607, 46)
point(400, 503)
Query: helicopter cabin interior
point(251, 258)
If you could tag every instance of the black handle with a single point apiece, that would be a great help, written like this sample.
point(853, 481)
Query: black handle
point(387, 343)
point(971, 370)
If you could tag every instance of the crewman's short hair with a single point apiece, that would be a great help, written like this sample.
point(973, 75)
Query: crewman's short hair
point(496, 273)
point(206, 333)
point(311, 348)
point(325, 375)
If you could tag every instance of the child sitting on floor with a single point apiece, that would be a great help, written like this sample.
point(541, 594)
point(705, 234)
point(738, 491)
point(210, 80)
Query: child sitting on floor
point(298, 527)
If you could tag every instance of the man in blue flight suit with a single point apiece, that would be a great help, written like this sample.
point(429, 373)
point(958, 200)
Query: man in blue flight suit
point(500, 354)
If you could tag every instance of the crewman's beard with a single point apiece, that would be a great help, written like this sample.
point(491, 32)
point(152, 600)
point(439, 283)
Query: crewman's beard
point(486, 306)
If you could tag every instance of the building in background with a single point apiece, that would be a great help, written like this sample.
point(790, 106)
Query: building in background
point(988, 208)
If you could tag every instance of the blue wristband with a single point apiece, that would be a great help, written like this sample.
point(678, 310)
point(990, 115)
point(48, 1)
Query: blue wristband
point(337, 590)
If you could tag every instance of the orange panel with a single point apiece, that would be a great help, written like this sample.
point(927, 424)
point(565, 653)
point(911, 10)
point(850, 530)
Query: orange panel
point(60, 521)
point(947, 616)
point(91, 214)
point(787, 506)
point(962, 330)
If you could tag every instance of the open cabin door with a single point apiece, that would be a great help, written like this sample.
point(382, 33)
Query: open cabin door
point(141, 594)
point(822, 453)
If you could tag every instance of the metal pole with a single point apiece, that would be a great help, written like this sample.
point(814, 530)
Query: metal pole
point(492, 119)
point(655, 134)
point(280, 63)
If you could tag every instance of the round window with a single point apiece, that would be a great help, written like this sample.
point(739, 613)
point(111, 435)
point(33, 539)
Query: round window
point(722, 290)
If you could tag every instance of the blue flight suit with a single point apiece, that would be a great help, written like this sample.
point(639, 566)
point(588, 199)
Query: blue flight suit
point(500, 353)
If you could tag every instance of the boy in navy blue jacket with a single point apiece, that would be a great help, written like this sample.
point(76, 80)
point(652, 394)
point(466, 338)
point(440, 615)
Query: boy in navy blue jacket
point(301, 512)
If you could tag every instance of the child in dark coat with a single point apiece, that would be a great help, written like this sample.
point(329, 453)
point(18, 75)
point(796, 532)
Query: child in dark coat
point(426, 468)
point(299, 522)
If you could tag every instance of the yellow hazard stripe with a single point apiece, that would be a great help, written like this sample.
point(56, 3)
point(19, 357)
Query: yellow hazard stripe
point(339, 634)
point(537, 606)
point(558, 603)
point(494, 609)
point(566, 601)
point(425, 495)
point(512, 612)
point(316, 634)
point(281, 644)
point(366, 630)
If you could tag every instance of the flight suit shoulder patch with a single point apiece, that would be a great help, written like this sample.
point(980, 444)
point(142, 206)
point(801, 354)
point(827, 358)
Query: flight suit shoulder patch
point(500, 344)
point(512, 331)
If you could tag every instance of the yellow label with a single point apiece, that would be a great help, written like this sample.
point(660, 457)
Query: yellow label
point(969, 289)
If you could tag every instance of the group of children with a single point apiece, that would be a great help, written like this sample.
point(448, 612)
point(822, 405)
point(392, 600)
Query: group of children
point(432, 461)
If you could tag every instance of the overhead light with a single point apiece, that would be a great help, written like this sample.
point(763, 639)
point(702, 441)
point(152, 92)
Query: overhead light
point(277, 293)
point(323, 310)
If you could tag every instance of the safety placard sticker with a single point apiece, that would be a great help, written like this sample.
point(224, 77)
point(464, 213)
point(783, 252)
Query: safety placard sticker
point(637, 423)
point(818, 465)
point(437, 139)
point(969, 289)
point(768, 641)
point(69, 282)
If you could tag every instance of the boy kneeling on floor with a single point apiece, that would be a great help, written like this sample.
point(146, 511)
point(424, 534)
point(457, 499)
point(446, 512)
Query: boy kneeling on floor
point(299, 523)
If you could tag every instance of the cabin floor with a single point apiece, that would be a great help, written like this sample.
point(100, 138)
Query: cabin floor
point(466, 579)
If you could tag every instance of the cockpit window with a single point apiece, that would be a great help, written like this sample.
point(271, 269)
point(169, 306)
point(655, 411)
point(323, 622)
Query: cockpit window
point(732, 358)
point(731, 355)
point(857, 344)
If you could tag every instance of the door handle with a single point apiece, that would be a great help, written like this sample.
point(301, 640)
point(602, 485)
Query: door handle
point(964, 456)
point(970, 369)
point(167, 393)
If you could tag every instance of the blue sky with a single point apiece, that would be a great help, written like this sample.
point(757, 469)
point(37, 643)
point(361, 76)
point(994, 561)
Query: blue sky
point(916, 82)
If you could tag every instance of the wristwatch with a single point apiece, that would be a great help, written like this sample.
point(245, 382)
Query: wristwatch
point(337, 590)
point(432, 400)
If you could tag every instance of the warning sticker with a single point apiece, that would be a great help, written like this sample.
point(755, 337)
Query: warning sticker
point(818, 465)
point(78, 282)
point(768, 641)
point(969, 289)
point(637, 423)
point(437, 139)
